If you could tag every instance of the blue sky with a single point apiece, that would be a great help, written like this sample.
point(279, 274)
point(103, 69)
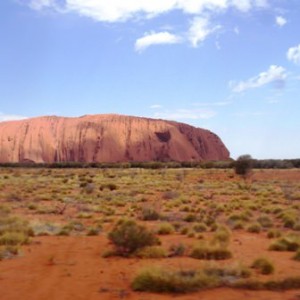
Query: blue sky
point(230, 66)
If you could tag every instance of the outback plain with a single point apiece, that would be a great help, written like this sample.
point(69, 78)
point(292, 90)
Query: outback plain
point(133, 233)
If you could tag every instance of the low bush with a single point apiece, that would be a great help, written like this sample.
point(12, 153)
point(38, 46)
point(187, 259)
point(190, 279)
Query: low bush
point(273, 233)
point(149, 214)
point(290, 242)
point(297, 255)
point(14, 238)
point(254, 228)
point(200, 227)
point(207, 251)
point(265, 221)
point(263, 266)
point(165, 228)
point(151, 252)
point(221, 236)
point(177, 250)
point(127, 237)
point(160, 280)
point(167, 281)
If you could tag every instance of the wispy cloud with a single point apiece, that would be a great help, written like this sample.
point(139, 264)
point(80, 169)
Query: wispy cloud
point(180, 114)
point(197, 12)
point(280, 21)
point(120, 10)
point(275, 74)
point(9, 117)
point(200, 29)
point(156, 106)
point(218, 103)
point(156, 38)
point(293, 54)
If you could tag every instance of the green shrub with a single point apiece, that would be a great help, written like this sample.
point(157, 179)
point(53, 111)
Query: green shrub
point(166, 281)
point(297, 255)
point(206, 251)
point(165, 228)
point(149, 214)
point(221, 236)
point(243, 165)
point(177, 250)
point(273, 233)
point(263, 265)
point(14, 238)
point(200, 227)
point(272, 285)
point(128, 237)
point(8, 251)
point(288, 243)
point(190, 218)
point(265, 221)
point(151, 252)
point(254, 228)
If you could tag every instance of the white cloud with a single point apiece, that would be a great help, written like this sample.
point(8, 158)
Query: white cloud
point(219, 103)
point(200, 29)
point(200, 11)
point(275, 74)
point(40, 4)
point(156, 38)
point(293, 54)
point(236, 30)
point(156, 106)
point(121, 10)
point(6, 117)
point(280, 21)
point(179, 114)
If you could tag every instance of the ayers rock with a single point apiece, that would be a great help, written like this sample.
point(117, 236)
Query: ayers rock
point(106, 138)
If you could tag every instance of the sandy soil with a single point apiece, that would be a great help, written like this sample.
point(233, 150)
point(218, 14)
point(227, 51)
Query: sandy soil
point(72, 268)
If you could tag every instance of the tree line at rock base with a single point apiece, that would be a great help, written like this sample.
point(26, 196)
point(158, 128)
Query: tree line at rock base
point(228, 164)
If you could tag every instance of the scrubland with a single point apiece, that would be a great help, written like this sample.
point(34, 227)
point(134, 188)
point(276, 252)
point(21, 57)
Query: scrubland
point(149, 234)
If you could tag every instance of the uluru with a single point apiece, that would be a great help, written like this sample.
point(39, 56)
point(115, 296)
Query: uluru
point(106, 138)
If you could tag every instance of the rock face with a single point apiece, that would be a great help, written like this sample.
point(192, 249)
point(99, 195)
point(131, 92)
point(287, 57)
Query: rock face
point(106, 138)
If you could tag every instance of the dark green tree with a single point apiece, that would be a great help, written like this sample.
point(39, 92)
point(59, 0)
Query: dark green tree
point(243, 165)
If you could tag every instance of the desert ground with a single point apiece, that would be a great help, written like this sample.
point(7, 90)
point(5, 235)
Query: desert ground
point(56, 234)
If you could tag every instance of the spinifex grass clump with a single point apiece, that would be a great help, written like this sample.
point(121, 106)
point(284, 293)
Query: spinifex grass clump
point(167, 281)
point(14, 232)
point(289, 242)
point(214, 249)
point(263, 266)
point(127, 236)
point(165, 228)
point(210, 251)
point(158, 280)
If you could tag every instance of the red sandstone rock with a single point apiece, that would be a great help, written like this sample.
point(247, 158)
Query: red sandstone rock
point(106, 138)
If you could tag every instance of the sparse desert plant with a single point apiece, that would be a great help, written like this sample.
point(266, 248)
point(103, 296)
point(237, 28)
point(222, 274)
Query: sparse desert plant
point(265, 221)
point(190, 218)
point(221, 236)
point(8, 251)
point(254, 228)
point(263, 266)
point(165, 228)
point(127, 236)
point(200, 227)
point(14, 238)
point(169, 195)
point(168, 281)
point(149, 214)
point(289, 242)
point(151, 252)
point(273, 233)
point(207, 251)
point(177, 250)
